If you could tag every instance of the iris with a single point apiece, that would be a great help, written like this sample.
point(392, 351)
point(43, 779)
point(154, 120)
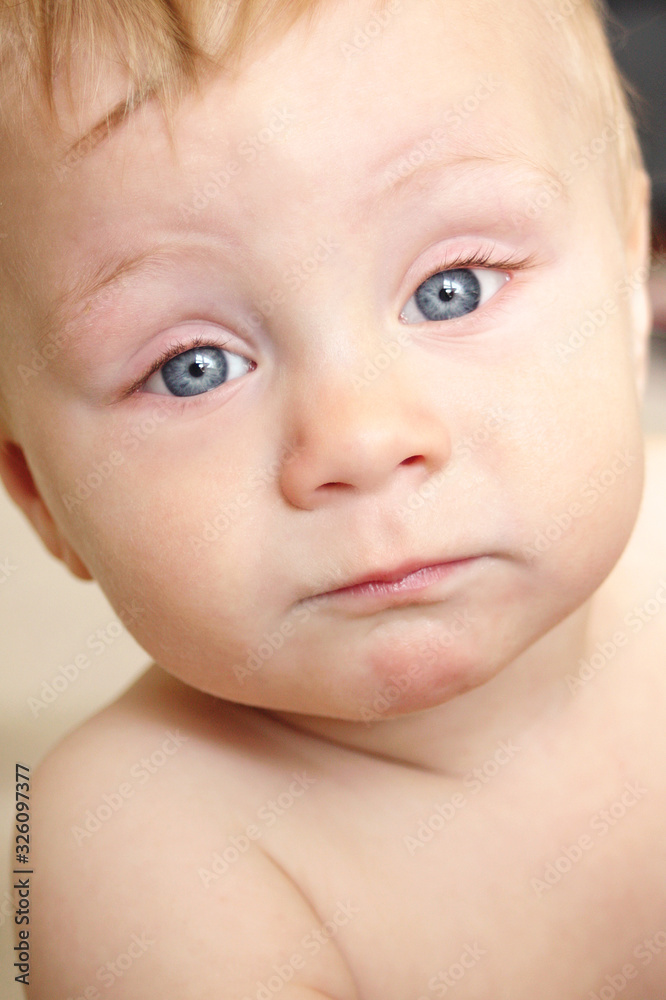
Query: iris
point(448, 295)
point(195, 371)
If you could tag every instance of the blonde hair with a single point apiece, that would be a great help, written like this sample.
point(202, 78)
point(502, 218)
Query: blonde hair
point(168, 46)
point(595, 89)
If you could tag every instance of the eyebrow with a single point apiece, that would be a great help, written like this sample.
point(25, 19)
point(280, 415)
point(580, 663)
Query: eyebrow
point(120, 113)
point(72, 305)
point(535, 174)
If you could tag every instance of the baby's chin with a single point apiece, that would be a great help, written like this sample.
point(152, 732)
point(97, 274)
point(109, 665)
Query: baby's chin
point(407, 670)
point(402, 686)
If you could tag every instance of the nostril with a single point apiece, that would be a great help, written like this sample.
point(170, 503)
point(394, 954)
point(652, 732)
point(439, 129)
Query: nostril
point(414, 458)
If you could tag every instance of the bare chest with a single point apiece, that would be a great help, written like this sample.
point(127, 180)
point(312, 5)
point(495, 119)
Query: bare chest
point(532, 877)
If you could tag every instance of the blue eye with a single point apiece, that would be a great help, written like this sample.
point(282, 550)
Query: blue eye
point(195, 371)
point(451, 294)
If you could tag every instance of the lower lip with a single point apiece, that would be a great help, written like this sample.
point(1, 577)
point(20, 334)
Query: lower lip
point(398, 592)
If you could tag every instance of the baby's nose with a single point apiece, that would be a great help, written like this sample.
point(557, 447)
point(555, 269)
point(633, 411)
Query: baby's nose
point(349, 433)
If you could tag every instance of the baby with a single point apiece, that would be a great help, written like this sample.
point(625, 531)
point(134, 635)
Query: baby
point(324, 339)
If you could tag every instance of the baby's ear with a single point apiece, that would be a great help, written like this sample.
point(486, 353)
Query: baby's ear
point(638, 271)
point(20, 484)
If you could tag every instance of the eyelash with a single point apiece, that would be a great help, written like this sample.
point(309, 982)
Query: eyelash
point(481, 259)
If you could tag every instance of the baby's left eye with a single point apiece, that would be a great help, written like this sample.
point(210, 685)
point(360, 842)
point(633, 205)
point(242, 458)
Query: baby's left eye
point(451, 294)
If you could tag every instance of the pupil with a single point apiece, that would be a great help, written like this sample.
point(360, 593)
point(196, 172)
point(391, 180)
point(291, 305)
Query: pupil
point(446, 294)
point(197, 369)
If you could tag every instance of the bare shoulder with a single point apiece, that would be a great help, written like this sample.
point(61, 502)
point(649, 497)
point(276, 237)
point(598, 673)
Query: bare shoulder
point(130, 812)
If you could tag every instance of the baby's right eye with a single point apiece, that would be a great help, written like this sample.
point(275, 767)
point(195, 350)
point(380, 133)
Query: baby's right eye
point(195, 370)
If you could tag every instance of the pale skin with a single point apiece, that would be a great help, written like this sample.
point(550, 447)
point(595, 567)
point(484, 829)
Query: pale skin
point(484, 657)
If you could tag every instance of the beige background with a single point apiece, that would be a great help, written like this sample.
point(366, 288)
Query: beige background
point(47, 618)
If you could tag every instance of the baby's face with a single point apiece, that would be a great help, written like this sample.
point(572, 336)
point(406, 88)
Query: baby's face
point(394, 343)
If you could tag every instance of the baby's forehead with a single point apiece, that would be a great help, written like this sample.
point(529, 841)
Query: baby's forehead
point(448, 76)
point(479, 83)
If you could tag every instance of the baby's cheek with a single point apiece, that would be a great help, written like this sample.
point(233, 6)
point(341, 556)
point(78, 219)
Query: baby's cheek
point(175, 541)
point(569, 463)
point(587, 519)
